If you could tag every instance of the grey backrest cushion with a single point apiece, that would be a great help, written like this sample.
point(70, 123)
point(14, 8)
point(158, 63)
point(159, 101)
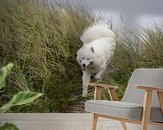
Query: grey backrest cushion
point(146, 77)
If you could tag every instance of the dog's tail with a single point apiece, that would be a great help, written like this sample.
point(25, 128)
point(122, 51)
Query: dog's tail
point(96, 31)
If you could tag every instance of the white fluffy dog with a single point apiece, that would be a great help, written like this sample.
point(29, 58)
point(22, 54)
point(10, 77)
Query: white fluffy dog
point(96, 53)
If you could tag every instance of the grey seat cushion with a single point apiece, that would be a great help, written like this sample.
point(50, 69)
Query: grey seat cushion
point(125, 110)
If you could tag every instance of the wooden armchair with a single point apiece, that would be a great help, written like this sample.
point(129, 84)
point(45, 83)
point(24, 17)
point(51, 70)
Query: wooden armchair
point(137, 106)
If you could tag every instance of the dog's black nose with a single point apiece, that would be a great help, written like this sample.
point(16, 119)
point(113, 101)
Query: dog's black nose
point(84, 65)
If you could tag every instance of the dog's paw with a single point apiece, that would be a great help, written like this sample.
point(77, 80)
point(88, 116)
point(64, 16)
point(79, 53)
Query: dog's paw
point(97, 77)
point(84, 94)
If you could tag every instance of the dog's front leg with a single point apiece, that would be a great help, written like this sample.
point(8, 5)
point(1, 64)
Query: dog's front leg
point(86, 80)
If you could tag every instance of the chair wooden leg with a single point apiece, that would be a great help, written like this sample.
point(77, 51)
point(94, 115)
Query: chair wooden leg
point(160, 98)
point(146, 110)
point(112, 94)
point(124, 125)
point(94, 121)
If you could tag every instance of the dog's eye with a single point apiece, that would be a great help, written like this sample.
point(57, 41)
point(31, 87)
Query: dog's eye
point(87, 58)
point(82, 58)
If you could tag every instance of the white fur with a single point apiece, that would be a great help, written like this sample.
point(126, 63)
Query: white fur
point(97, 51)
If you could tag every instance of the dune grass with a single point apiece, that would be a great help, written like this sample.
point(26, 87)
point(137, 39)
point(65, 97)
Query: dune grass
point(136, 48)
point(42, 41)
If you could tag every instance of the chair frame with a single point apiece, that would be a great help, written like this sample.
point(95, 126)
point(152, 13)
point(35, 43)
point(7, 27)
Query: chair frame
point(146, 106)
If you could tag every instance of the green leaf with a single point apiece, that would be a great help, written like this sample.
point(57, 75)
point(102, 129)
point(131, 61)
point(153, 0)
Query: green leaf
point(24, 98)
point(4, 72)
point(20, 99)
point(8, 126)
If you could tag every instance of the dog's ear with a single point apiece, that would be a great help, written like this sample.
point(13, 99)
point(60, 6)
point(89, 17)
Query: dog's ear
point(92, 50)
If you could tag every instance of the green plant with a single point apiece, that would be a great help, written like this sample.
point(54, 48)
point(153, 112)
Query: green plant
point(21, 98)
point(8, 126)
point(4, 72)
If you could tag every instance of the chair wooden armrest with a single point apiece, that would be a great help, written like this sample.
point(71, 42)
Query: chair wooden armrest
point(98, 89)
point(149, 88)
point(102, 85)
point(148, 99)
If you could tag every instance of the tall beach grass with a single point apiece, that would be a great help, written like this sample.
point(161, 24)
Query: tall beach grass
point(42, 41)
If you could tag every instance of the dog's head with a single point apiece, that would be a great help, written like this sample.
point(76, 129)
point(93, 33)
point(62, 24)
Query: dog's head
point(86, 57)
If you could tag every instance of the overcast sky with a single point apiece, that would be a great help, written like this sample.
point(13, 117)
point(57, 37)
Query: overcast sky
point(132, 11)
